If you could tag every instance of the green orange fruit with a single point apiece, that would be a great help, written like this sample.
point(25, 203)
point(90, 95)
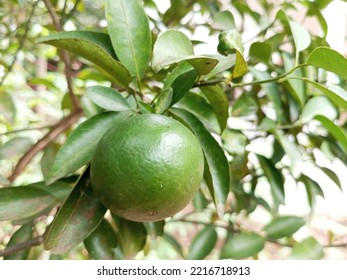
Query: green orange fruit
point(147, 168)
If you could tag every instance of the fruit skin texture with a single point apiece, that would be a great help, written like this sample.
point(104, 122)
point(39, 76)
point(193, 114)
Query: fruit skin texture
point(147, 168)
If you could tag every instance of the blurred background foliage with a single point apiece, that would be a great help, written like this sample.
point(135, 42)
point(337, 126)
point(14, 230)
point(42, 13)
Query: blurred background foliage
point(285, 142)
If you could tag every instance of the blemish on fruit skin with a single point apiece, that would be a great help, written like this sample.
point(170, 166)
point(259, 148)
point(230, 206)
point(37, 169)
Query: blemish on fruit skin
point(153, 213)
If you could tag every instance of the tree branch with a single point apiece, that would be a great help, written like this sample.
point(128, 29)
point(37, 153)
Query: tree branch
point(21, 42)
point(64, 55)
point(22, 246)
point(59, 128)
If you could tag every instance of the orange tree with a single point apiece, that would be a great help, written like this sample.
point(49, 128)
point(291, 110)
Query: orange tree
point(258, 107)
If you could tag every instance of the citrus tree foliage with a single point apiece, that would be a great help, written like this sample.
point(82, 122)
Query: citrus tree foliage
point(260, 106)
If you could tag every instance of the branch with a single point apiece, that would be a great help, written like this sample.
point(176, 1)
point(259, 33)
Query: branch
point(22, 246)
point(21, 42)
point(59, 128)
point(64, 55)
point(73, 10)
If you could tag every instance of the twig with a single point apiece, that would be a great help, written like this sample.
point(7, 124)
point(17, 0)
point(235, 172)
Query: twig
point(21, 42)
point(209, 83)
point(197, 223)
point(59, 128)
point(67, 17)
point(22, 246)
point(64, 55)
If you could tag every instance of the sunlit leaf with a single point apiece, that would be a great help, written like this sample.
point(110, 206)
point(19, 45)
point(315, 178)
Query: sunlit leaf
point(130, 35)
point(93, 46)
point(318, 105)
point(223, 21)
point(107, 98)
point(328, 59)
point(261, 52)
point(173, 47)
point(308, 249)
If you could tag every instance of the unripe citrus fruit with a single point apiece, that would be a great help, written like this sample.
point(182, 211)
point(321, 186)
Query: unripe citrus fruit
point(147, 168)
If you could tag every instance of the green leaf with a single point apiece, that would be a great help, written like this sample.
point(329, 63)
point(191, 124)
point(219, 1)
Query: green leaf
point(23, 234)
point(312, 190)
point(315, 12)
point(283, 226)
point(93, 46)
point(48, 158)
point(234, 142)
point(296, 88)
point(318, 105)
point(330, 60)
point(335, 93)
point(130, 34)
point(198, 105)
point(89, 108)
point(18, 203)
point(203, 243)
point(79, 147)
point(219, 102)
point(272, 91)
point(7, 106)
point(15, 147)
point(173, 47)
point(177, 84)
point(145, 108)
point(275, 179)
point(332, 175)
point(155, 229)
point(79, 216)
point(308, 249)
point(200, 202)
point(4, 180)
point(242, 246)
point(230, 42)
point(101, 243)
point(261, 52)
point(216, 160)
point(301, 37)
point(245, 105)
point(132, 236)
point(337, 132)
point(291, 149)
point(164, 101)
point(224, 63)
point(223, 21)
point(107, 98)
point(173, 242)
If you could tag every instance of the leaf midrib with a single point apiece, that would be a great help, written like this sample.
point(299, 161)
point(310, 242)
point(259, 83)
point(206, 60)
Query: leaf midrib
point(131, 42)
